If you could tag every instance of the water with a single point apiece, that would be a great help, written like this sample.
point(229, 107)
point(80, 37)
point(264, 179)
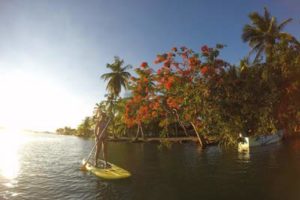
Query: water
point(44, 166)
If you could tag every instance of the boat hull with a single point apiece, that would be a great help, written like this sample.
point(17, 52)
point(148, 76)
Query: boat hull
point(260, 140)
point(265, 139)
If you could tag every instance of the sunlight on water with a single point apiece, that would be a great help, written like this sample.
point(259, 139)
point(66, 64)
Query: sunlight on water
point(10, 143)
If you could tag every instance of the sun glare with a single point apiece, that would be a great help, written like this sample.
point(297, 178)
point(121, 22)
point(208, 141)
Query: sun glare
point(10, 143)
point(33, 102)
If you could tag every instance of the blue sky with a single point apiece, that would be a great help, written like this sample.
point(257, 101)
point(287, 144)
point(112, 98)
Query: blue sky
point(55, 51)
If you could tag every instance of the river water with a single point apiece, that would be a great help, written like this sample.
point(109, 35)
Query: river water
point(45, 166)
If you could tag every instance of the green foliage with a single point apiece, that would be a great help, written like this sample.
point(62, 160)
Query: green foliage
point(284, 73)
point(117, 78)
point(66, 131)
point(263, 33)
point(85, 129)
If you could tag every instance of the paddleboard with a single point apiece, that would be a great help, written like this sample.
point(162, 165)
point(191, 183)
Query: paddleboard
point(111, 173)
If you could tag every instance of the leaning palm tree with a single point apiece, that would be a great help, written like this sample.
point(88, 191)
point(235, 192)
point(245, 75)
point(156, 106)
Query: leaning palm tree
point(263, 33)
point(117, 78)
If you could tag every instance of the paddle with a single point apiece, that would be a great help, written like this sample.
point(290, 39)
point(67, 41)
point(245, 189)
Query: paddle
point(83, 168)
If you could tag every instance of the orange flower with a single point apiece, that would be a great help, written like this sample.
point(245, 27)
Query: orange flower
point(167, 64)
point(145, 79)
point(172, 103)
point(187, 117)
point(137, 98)
point(154, 114)
point(160, 58)
point(171, 79)
point(130, 122)
point(144, 64)
point(168, 85)
point(204, 49)
point(204, 70)
point(186, 72)
point(139, 88)
point(193, 61)
point(155, 105)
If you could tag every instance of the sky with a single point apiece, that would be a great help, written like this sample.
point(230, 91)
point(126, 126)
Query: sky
point(53, 52)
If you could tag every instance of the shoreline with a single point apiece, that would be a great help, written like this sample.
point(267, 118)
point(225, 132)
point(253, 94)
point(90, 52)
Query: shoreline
point(178, 140)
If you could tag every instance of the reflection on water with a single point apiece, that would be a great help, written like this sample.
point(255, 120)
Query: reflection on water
point(10, 143)
point(244, 156)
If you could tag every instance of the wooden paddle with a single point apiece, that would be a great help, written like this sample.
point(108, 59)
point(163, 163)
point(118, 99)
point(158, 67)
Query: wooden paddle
point(83, 168)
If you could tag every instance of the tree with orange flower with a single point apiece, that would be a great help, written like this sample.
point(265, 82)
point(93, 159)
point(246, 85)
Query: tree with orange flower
point(138, 107)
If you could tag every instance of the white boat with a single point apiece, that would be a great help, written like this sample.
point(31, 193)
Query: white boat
point(265, 139)
point(259, 140)
point(243, 146)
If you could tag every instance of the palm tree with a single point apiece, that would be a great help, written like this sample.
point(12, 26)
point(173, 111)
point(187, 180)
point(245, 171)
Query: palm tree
point(118, 78)
point(263, 33)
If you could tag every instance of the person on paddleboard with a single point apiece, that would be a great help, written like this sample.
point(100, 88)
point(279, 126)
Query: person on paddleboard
point(101, 136)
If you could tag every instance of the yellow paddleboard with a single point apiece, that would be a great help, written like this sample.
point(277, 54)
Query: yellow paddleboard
point(111, 173)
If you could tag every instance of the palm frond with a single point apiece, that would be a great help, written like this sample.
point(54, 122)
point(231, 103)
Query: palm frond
point(107, 76)
point(263, 33)
point(126, 67)
point(271, 25)
point(267, 14)
point(286, 36)
point(258, 54)
point(284, 23)
point(118, 78)
point(258, 21)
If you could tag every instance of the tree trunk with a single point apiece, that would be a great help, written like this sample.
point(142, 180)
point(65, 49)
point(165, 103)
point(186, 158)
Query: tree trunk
point(113, 128)
point(180, 123)
point(143, 136)
point(137, 133)
point(198, 136)
point(183, 127)
point(176, 130)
